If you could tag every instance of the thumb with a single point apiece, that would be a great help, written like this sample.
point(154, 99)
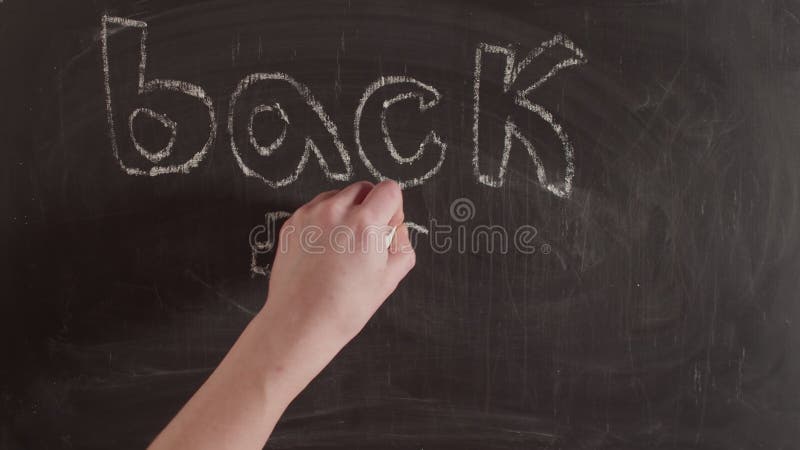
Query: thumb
point(402, 256)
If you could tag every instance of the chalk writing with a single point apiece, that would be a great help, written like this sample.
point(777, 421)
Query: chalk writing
point(522, 98)
point(154, 157)
point(263, 238)
point(268, 150)
point(259, 246)
point(410, 89)
point(432, 138)
point(146, 87)
point(310, 146)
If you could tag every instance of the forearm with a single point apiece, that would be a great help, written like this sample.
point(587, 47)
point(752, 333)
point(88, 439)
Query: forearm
point(318, 302)
point(238, 406)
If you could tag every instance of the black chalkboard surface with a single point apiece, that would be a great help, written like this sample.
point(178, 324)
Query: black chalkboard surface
point(606, 199)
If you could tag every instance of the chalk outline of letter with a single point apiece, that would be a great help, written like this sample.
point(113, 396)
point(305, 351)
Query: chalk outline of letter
point(154, 157)
point(270, 149)
point(270, 218)
point(258, 248)
point(561, 189)
point(146, 87)
point(431, 137)
point(310, 146)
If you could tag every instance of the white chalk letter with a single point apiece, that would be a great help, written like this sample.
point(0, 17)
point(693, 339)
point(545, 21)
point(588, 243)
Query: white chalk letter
point(309, 146)
point(512, 70)
point(148, 87)
point(420, 90)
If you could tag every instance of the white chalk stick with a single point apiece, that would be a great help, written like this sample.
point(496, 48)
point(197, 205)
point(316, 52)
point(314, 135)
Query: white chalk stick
point(390, 236)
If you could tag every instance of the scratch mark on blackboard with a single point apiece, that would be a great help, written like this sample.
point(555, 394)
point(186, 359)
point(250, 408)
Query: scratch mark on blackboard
point(221, 295)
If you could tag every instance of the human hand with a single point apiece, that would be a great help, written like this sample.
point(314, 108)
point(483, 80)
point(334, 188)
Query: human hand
point(323, 289)
point(332, 269)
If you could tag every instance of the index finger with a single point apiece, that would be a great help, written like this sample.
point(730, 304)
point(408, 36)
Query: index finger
point(384, 202)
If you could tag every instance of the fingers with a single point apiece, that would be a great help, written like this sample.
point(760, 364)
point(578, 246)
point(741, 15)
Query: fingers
point(401, 242)
point(354, 194)
point(401, 254)
point(394, 224)
point(384, 202)
point(398, 217)
point(322, 196)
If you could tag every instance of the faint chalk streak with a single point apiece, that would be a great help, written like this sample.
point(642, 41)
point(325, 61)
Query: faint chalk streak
point(221, 295)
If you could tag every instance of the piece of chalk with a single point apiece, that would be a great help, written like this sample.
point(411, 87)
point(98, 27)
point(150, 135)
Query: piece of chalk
point(389, 237)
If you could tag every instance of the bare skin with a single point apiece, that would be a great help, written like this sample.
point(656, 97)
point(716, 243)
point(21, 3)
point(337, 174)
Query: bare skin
point(318, 301)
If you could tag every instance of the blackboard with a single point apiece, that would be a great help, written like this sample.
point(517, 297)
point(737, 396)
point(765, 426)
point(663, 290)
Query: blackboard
point(649, 148)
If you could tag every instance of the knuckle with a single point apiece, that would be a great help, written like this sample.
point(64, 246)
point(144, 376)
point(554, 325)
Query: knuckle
point(326, 215)
point(364, 217)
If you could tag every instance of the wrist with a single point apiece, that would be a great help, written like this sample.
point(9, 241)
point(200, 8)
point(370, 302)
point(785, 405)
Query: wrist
point(288, 352)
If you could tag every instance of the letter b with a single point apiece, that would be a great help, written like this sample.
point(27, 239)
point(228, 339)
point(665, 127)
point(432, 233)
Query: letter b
point(183, 152)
